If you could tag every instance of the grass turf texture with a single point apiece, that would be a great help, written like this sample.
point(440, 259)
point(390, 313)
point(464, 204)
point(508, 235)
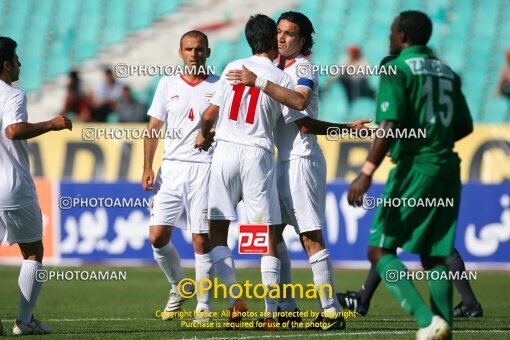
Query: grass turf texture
point(126, 309)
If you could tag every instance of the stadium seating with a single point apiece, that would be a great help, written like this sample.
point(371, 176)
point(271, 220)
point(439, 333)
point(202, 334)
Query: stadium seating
point(469, 35)
point(54, 35)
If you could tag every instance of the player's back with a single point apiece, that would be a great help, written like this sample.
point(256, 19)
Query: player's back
point(16, 185)
point(247, 115)
point(425, 95)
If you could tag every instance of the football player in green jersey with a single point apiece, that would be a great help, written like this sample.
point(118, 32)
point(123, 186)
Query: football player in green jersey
point(424, 94)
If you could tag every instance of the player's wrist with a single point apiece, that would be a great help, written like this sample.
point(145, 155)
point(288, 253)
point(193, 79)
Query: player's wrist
point(260, 83)
point(368, 169)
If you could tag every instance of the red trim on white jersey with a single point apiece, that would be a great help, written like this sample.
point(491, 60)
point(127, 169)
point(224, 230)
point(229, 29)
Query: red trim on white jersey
point(194, 84)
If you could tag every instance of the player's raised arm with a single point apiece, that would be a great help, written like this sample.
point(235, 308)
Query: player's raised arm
point(297, 99)
point(23, 130)
point(150, 144)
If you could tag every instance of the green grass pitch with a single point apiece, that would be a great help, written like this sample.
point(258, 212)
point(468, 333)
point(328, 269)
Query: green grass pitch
point(126, 309)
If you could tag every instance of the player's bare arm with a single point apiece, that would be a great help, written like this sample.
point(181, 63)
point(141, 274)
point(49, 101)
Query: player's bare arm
point(205, 136)
point(150, 144)
point(379, 150)
point(30, 130)
point(298, 99)
point(319, 127)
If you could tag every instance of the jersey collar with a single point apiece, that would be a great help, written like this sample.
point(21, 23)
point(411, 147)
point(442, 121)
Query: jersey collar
point(416, 49)
point(196, 83)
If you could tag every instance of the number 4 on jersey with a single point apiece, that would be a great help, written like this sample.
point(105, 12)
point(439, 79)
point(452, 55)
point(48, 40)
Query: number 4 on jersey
point(236, 103)
point(191, 116)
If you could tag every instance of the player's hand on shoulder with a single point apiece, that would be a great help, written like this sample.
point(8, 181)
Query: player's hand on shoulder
point(60, 123)
point(148, 180)
point(357, 189)
point(242, 77)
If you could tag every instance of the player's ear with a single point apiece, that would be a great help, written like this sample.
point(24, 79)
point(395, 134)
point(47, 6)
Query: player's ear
point(180, 52)
point(208, 53)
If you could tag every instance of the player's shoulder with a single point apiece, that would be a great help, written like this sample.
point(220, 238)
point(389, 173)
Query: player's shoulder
point(166, 80)
point(9, 93)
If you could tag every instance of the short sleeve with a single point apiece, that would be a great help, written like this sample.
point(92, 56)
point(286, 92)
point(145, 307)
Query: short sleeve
point(391, 98)
point(308, 79)
point(15, 110)
point(158, 107)
point(289, 114)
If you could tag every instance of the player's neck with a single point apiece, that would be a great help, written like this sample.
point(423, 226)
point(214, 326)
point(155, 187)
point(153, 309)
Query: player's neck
point(290, 58)
point(265, 55)
point(6, 79)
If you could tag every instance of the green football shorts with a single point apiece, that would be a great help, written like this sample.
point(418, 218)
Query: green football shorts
point(417, 212)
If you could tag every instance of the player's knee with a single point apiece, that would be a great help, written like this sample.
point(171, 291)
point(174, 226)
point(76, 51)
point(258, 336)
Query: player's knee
point(374, 255)
point(313, 242)
point(159, 238)
point(431, 262)
point(201, 243)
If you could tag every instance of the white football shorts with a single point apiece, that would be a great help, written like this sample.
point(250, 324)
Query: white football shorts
point(23, 225)
point(180, 197)
point(247, 173)
point(301, 186)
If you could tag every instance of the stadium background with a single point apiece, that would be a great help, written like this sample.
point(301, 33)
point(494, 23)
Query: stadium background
point(56, 36)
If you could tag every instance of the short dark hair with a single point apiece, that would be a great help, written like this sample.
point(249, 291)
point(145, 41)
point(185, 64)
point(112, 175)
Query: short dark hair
point(260, 33)
point(416, 25)
point(7, 49)
point(305, 29)
point(195, 33)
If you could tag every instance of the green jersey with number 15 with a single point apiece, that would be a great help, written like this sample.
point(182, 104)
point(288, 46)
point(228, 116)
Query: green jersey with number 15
point(424, 95)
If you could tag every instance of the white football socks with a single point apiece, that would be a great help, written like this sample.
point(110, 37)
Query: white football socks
point(223, 263)
point(203, 269)
point(170, 263)
point(29, 289)
point(322, 277)
point(286, 302)
point(270, 269)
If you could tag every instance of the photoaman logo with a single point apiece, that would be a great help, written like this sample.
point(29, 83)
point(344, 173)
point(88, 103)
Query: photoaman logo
point(253, 239)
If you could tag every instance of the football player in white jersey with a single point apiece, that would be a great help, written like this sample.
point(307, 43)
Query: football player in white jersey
point(301, 170)
point(243, 164)
point(20, 215)
point(181, 185)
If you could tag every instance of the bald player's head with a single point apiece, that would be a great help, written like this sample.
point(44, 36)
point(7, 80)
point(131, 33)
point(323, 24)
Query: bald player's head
point(194, 50)
point(195, 34)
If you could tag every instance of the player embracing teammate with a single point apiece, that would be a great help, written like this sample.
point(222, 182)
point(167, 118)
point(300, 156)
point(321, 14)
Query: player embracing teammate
point(301, 170)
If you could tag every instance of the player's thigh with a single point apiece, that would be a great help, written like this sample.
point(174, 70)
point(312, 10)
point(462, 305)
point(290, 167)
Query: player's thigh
point(167, 202)
point(197, 198)
point(260, 195)
point(224, 183)
point(307, 177)
point(285, 195)
point(23, 225)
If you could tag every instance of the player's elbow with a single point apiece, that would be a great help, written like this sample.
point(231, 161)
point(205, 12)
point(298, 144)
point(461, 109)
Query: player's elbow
point(10, 132)
point(301, 104)
point(304, 129)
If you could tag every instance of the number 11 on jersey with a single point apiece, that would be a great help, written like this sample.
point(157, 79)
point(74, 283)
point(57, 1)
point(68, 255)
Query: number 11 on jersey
point(236, 103)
